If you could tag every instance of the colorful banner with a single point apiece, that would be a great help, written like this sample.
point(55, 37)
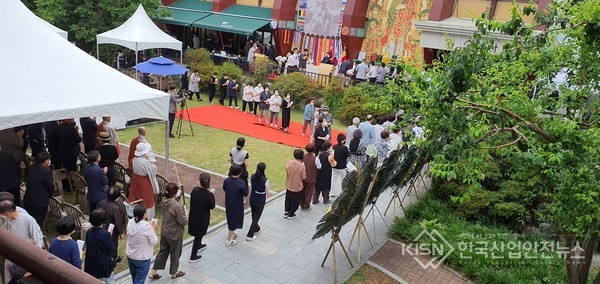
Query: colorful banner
point(390, 29)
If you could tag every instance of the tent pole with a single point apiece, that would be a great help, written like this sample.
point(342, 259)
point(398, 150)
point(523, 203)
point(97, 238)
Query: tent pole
point(167, 149)
point(97, 52)
point(181, 57)
point(136, 61)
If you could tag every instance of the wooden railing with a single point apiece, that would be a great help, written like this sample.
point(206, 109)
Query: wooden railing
point(42, 265)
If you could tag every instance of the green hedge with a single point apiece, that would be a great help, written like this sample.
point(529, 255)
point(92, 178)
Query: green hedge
point(431, 213)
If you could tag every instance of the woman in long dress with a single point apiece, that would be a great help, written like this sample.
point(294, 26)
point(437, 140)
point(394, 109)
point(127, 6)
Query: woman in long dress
point(143, 179)
point(325, 162)
point(202, 200)
point(286, 107)
point(235, 191)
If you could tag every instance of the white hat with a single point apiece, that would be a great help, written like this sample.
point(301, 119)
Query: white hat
point(142, 149)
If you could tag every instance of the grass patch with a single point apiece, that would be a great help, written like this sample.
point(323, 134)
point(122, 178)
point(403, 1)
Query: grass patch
point(509, 265)
point(209, 148)
point(369, 275)
point(216, 216)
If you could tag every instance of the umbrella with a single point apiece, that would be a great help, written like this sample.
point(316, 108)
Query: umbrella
point(160, 66)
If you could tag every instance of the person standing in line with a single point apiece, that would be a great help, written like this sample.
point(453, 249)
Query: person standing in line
point(173, 101)
point(171, 234)
point(184, 79)
point(212, 86)
point(368, 131)
point(293, 61)
point(143, 179)
point(12, 143)
point(96, 180)
point(381, 74)
point(105, 126)
point(235, 191)
point(40, 187)
point(274, 108)
point(141, 138)
point(113, 216)
point(196, 41)
point(99, 245)
point(69, 140)
point(378, 128)
point(202, 200)
point(353, 127)
point(141, 239)
point(240, 157)
point(308, 184)
point(325, 162)
point(302, 59)
point(341, 155)
point(308, 116)
point(383, 147)
point(361, 71)
point(10, 179)
point(286, 109)
point(233, 91)
point(250, 57)
point(295, 173)
point(193, 85)
point(247, 98)
point(108, 156)
point(321, 135)
point(53, 143)
point(258, 199)
point(357, 150)
point(256, 96)
point(315, 124)
point(63, 246)
point(264, 104)
point(223, 86)
point(89, 128)
point(372, 73)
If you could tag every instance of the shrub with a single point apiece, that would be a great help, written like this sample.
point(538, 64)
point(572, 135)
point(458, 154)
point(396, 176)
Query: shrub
point(199, 59)
point(230, 69)
point(334, 95)
point(262, 69)
point(356, 102)
point(301, 86)
point(474, 253)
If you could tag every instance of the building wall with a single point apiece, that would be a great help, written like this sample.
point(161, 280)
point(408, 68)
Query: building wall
point(390, 29)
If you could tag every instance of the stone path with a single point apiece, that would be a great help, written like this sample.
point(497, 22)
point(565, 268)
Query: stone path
point(283, 252)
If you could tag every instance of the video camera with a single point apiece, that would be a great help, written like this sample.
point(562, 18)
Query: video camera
point(183, 93)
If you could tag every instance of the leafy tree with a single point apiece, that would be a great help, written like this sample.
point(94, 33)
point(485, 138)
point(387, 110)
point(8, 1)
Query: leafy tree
point(485, 105)
point(85, 19)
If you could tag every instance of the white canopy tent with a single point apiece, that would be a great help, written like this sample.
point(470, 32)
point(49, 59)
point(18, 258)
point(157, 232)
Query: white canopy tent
point(54, 79)
point(62, 33)
point(139, 33)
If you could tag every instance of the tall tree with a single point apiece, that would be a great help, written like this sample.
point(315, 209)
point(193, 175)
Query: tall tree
point(85, 19)
point(532, 105)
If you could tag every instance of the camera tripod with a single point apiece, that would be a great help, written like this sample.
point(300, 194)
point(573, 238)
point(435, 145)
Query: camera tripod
point(184, 108)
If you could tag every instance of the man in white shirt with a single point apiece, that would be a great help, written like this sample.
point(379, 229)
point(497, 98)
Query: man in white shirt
point(196, 41)
point(361, 71)
point(372, 74)
point(293, 61)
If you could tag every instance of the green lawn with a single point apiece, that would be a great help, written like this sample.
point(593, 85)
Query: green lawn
point(209, 148)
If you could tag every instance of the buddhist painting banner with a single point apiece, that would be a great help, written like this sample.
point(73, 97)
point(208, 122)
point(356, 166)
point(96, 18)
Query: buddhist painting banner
point(323, 17)
point(390, 29)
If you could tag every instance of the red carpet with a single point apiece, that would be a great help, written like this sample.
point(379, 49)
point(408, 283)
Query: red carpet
point(235, 120)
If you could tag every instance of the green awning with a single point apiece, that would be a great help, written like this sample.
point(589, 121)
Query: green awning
point(237, 19)
point(231, 24)
point(186, 12)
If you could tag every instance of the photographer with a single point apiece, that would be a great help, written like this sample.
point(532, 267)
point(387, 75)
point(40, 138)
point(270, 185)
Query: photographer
point(174, 100)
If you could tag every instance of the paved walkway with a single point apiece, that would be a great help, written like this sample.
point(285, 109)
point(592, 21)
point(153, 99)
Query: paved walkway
point(282, 253)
